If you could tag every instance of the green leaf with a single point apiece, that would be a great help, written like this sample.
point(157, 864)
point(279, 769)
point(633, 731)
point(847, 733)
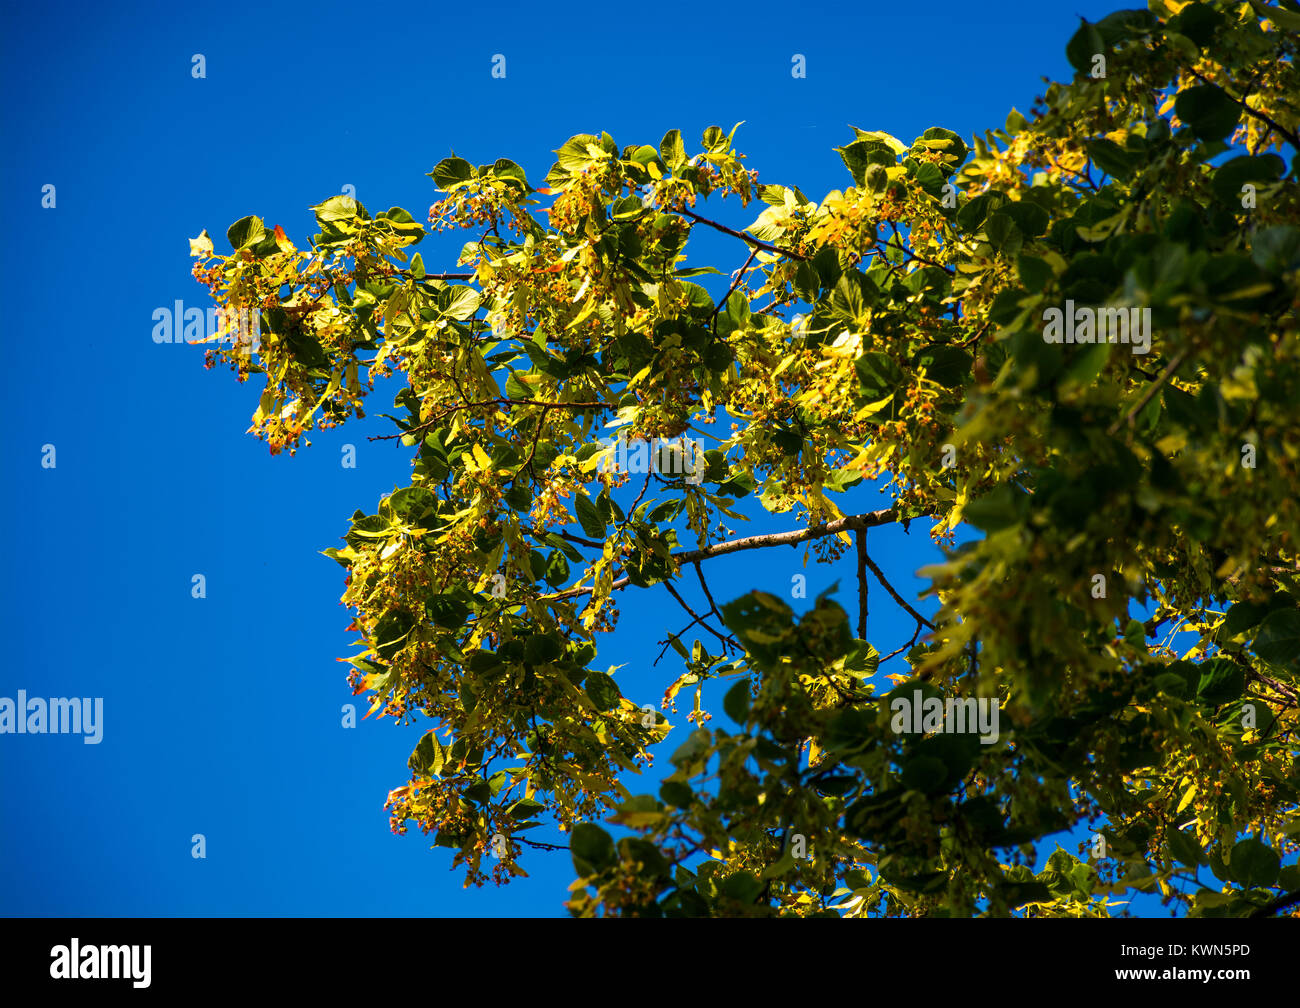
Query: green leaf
point(588, 517)
point(429, 757)
point(950, 147)
point(926, 774)
point(852, 298)
point(1123, 24)
point(1111, 158)
point(1277, 249)
point(338, 208)
point(1232, 175)
point(459, 302)
point(736, 702)
point(575, 155)
point(672, 150)
point(1221, 680)
point(448, 610)
point(1035, 273)
point(1029, 217)
point(557, 569)
point(677, 794)
point(1253, 864)
point(743, 887)
point(878, 374)
point(1278, 639)
point(863, 659)
point(508, 171)
point(366, 529)
point(1184, 847)
point(525, 808)
point(451, 172)
point(391, 631)
point(695, 746)
point(948, 365)
point(1000, 508)
point(1083, 46)
point(972, 214)
point(245, 231)
point(863, 154)
point(412, 503)
point(1241, 617)
point(1197, 21)
point(592, 849)
point(541, 649)
point(603, 691)
point(1208, 110)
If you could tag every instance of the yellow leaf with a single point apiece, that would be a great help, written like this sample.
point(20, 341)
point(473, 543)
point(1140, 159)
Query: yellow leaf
point(282, 241)
point(202, 245)
point(874, 407)
point(587, 309)
point(954, 518)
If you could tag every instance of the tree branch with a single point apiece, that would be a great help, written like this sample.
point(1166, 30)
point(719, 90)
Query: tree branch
point(546, 406)
point(739, 275)
point(697, 618)
point(1282, 902)
point(737, 234)
point(880, 576)
point(860, 541)
point(1291, 137)
point(1155, 387)
point(849, 523)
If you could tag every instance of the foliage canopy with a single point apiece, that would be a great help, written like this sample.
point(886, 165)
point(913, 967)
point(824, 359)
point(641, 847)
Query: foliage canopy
point(889, 333)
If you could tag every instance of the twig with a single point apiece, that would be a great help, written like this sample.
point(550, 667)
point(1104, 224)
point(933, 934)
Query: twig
point(698, 618)
point(860, 540)
point(541, 845)
point(740, 273)
point(880, 576)
point(1268, 120)
point(898, 651)
point(1155, 387)
point(493, 402)
point(737, 234)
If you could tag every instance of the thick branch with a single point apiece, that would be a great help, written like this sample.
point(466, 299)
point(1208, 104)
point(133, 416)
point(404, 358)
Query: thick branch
point(1281, 903)
point(849, 523)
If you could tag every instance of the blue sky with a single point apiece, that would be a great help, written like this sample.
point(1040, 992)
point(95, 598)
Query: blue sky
point(222, 714)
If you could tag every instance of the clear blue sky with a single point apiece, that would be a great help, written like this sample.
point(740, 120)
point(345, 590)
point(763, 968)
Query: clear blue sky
point(222, 715)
